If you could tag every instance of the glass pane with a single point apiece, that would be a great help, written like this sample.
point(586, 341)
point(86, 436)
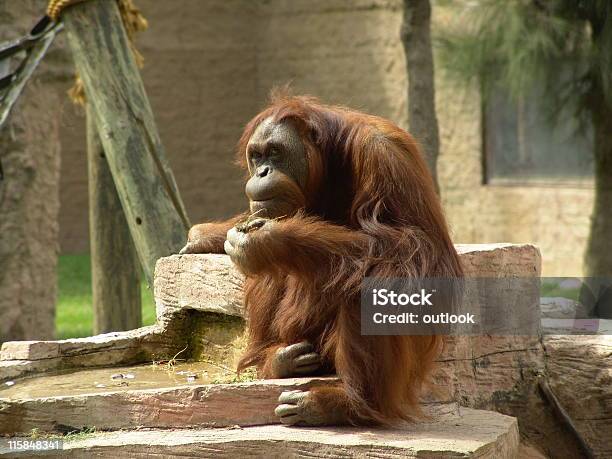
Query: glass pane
point(523, 145)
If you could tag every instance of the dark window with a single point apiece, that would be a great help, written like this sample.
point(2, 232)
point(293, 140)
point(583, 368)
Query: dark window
point(522, 146)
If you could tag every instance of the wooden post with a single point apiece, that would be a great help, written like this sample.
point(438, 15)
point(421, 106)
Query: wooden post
point(115, 271)
point(144, 182)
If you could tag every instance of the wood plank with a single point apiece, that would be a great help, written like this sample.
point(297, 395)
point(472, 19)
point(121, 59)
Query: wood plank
point(149, 196)
point(115, 271)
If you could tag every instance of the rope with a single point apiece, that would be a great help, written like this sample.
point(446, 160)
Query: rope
point(133, 22)
point(55, 7)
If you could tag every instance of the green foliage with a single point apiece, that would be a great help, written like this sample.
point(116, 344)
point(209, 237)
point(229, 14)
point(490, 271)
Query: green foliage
point(74, 314)
point(564, 44)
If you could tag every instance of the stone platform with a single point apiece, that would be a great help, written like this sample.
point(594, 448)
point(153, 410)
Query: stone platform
point(468, 434)
point(200, 318)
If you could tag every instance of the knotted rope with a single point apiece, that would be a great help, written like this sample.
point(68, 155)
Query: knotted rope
point(133, 22)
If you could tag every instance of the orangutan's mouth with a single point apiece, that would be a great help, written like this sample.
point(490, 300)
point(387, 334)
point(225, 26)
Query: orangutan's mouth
point(272, 208)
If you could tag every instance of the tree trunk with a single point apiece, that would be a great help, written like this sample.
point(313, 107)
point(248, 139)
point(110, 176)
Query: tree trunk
point(29, 194)
point(422, 121)
point(115, 272)
point(598, 256)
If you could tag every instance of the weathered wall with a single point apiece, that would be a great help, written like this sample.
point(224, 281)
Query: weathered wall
point(208, 70)
point(554, 218)
point(345, 52)
point(29, 194)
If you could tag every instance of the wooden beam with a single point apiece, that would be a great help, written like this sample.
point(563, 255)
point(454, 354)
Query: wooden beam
point(115, 271)
point(145, 184)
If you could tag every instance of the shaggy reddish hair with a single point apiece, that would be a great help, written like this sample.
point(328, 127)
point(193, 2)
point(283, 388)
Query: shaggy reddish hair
point(371, 210)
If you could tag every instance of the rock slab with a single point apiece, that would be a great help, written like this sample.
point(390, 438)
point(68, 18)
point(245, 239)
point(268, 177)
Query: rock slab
point(580, 375)
point(467, 434)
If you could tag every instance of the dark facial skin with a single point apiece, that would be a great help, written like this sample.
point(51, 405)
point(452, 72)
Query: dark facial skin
point(278, 165)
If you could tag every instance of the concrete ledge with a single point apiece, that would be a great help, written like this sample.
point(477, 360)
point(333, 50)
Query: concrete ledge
point(29, 350)
point(19, 358)
point(477, 370)
point(211, 283)
point(252, 403)
point(43, 350)
point(467, 434)
point(500, 260)
point(208, 283)
point(188, 284)
point(189, 287)
point(198, 299)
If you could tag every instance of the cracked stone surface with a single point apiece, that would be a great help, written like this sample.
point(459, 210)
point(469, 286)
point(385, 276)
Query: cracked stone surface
point(451, 434)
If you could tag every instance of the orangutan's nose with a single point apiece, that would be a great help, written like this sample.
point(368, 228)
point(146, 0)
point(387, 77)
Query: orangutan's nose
point(262, 171)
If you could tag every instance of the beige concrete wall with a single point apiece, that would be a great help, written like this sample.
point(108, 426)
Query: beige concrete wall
point(210, 65)
point(555, 218)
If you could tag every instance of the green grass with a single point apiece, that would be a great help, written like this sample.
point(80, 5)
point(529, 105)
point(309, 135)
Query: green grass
point(553, 289)
point(74, 313)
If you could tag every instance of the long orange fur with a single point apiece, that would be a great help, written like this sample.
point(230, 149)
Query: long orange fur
point(371, 210)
